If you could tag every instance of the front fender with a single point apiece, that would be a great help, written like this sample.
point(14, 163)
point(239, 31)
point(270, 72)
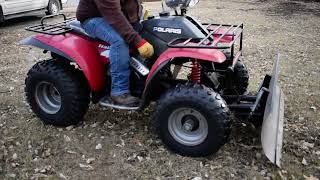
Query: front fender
point(74, 48)
point(212, 55)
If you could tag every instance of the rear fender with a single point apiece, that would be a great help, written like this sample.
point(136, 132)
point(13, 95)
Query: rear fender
point(74, 48)
point(174, 54)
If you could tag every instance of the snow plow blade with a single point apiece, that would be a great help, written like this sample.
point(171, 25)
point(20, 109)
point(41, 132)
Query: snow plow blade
point(272, 127)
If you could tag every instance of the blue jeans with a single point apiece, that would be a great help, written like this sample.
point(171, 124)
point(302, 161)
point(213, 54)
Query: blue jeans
point(119, 53)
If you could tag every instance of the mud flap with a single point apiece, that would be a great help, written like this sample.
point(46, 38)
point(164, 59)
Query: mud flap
point(272, 127)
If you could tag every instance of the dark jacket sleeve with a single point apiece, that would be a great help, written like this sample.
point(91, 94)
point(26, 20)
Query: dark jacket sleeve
point(111, 12)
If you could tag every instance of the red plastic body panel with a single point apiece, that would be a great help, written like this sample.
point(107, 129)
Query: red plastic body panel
point(85, 52)
point(213, 55)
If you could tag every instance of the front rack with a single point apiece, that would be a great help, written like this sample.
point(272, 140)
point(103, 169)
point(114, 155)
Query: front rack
point(52, 29)
point(213, 40)
point(218, 36)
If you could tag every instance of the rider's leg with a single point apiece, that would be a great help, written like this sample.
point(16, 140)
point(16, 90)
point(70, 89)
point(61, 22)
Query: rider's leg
point(119, 58)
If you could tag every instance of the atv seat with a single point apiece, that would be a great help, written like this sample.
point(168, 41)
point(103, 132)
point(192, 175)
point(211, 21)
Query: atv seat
point(77, 27)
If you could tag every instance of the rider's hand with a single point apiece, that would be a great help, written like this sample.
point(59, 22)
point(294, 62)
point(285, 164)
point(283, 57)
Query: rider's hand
point(145, 49)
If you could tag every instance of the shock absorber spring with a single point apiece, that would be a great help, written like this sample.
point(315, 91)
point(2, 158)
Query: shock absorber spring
point(195, 74)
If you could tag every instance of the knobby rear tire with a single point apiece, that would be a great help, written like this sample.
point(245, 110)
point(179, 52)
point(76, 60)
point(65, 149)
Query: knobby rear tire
point(240, 78)
point(71, 86)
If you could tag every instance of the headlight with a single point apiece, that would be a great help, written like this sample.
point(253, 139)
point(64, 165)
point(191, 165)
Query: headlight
point(183, 3)
point(193, 3)
point(174, 3)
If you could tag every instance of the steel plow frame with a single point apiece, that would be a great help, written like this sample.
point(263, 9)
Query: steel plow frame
point(265, 108)
point(273, 120)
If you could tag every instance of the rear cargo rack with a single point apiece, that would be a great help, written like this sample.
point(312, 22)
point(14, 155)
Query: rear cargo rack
point(52, 29)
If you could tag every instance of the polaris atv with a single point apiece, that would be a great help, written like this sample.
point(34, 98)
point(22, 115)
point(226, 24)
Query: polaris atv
point(196, 77)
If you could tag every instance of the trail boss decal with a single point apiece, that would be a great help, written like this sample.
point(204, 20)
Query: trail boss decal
point(103, 46)
point(167, 30)
point(106, 50)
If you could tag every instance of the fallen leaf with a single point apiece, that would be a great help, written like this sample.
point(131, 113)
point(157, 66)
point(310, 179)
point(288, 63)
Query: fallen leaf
point(304, 162)
point(90, 160)
point(86, 167)
point(311, 177)
point(62, 176)
point(197, 178)
point(98, 146)
point(14, 156)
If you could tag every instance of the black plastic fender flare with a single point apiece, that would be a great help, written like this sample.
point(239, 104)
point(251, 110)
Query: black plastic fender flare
point(1, 15)
point(145, 96)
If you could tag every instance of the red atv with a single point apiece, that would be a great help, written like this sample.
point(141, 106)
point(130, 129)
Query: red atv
point(195, 76)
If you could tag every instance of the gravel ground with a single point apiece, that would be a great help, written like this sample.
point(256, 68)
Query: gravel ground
point(111, 144)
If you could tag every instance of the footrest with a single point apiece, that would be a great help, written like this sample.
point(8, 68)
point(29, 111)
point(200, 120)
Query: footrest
point(107, 102)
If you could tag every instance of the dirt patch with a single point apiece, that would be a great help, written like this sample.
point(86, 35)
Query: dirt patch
point(289, 8)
